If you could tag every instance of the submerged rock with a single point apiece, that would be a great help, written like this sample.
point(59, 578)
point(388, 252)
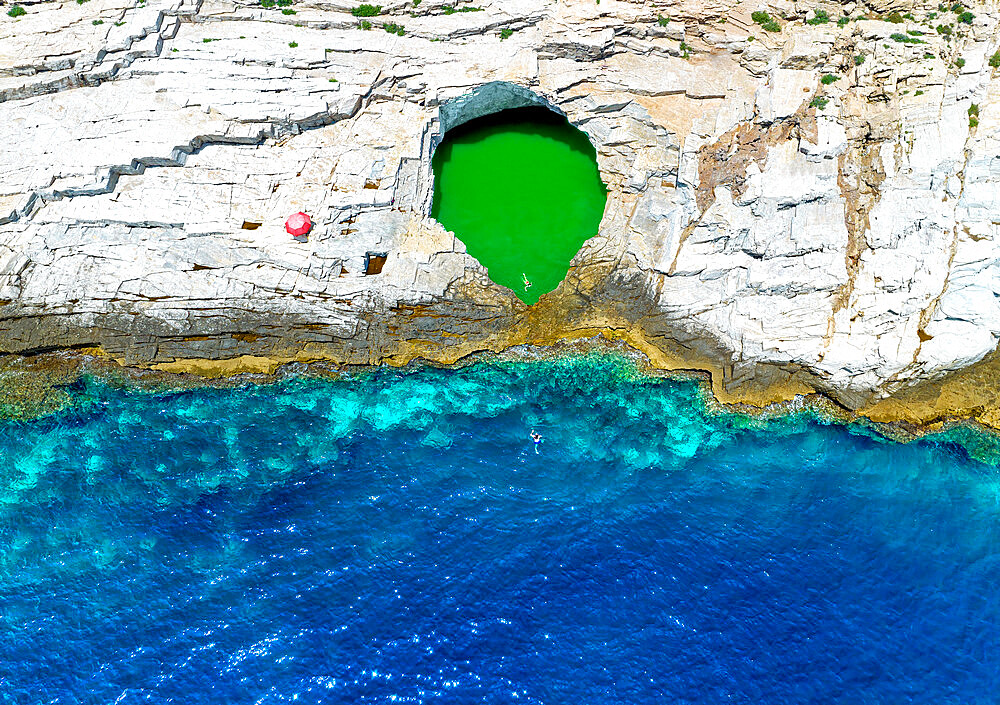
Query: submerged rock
point(810, 209)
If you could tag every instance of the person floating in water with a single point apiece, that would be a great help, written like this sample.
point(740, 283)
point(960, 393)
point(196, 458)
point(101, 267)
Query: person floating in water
point(536, 438)
point(527, 283)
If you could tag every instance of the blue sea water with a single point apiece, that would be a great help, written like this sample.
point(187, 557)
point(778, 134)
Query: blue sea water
point(393, 537)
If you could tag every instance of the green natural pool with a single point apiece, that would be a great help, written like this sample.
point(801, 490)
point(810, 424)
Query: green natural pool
point(522, 190)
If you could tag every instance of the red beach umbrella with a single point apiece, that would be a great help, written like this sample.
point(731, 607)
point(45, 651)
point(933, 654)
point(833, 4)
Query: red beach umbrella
point(298, 224)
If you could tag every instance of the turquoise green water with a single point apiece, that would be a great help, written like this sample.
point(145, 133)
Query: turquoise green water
point(522, 190)
point(396, 537)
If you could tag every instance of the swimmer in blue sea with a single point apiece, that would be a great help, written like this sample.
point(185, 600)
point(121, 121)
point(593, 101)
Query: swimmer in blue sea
point(537, 438)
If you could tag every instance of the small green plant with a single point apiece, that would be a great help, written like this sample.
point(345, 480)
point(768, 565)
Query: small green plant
point(416, 3)
point(973, 110)
point(918, 93)
point(366, 10)
point(828, 79)
point(895, 18)
point(960, 62)
point(819, 102)
point(914, 32)
point(393, 28)
point(267, 3)
point(928, 55)
point(365, 25)
point(973, 122)
point(80, 2)
point(506, 33)
point(287, 11)
point(293, 44)
point(333, 80)
point(662, 21)
point(685, 51)
point(173, 49)
point(820, 17)
point(966, 17)
point(944, 29)
point(842, 22)
point(958, 8)
point(16, 11)
point(119, 24)
point(905, 39)
point(206, 40)
point(97, 22)
point(767, 23)
point(859, 59)
point(995, 59)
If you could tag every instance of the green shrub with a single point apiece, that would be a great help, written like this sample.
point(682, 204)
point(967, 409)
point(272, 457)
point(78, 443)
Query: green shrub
point(973, 122)
point(842, 22)
point(928, 55)
point(97, 22)
point(16, 11)
point(828, 79)
point(662, 21)
point(283, 3)
point(859, 59)
point(905, 39)
point(333, 80)
point(206, 40)
point(944, 29)
point(267, 3)
point(958, 8)
point(974, 110)
point(895, 18)
point(293, 44)
point(393, 28)
point(819, 102)
point(966, 17)
point(995, 59)
point(914, 32)
point(820, 18)
point(767, 23)
point(287, 11)
point(367, 10)
point(505, 34)
point(365, 24)
point(960, 62)
point(919, 93)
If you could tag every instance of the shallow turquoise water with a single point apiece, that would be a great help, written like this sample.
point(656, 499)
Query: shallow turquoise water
point(394, 537)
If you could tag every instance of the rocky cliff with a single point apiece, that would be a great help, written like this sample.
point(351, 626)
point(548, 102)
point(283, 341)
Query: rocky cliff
point(802, 200)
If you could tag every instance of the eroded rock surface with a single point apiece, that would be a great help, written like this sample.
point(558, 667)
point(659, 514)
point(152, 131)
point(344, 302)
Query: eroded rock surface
point(785, 231)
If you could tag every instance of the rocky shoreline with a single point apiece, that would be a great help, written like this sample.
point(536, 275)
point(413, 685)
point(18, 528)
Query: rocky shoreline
point(796, 208)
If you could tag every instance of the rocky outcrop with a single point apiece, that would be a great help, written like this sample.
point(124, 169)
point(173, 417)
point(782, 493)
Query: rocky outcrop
point(809, 209)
